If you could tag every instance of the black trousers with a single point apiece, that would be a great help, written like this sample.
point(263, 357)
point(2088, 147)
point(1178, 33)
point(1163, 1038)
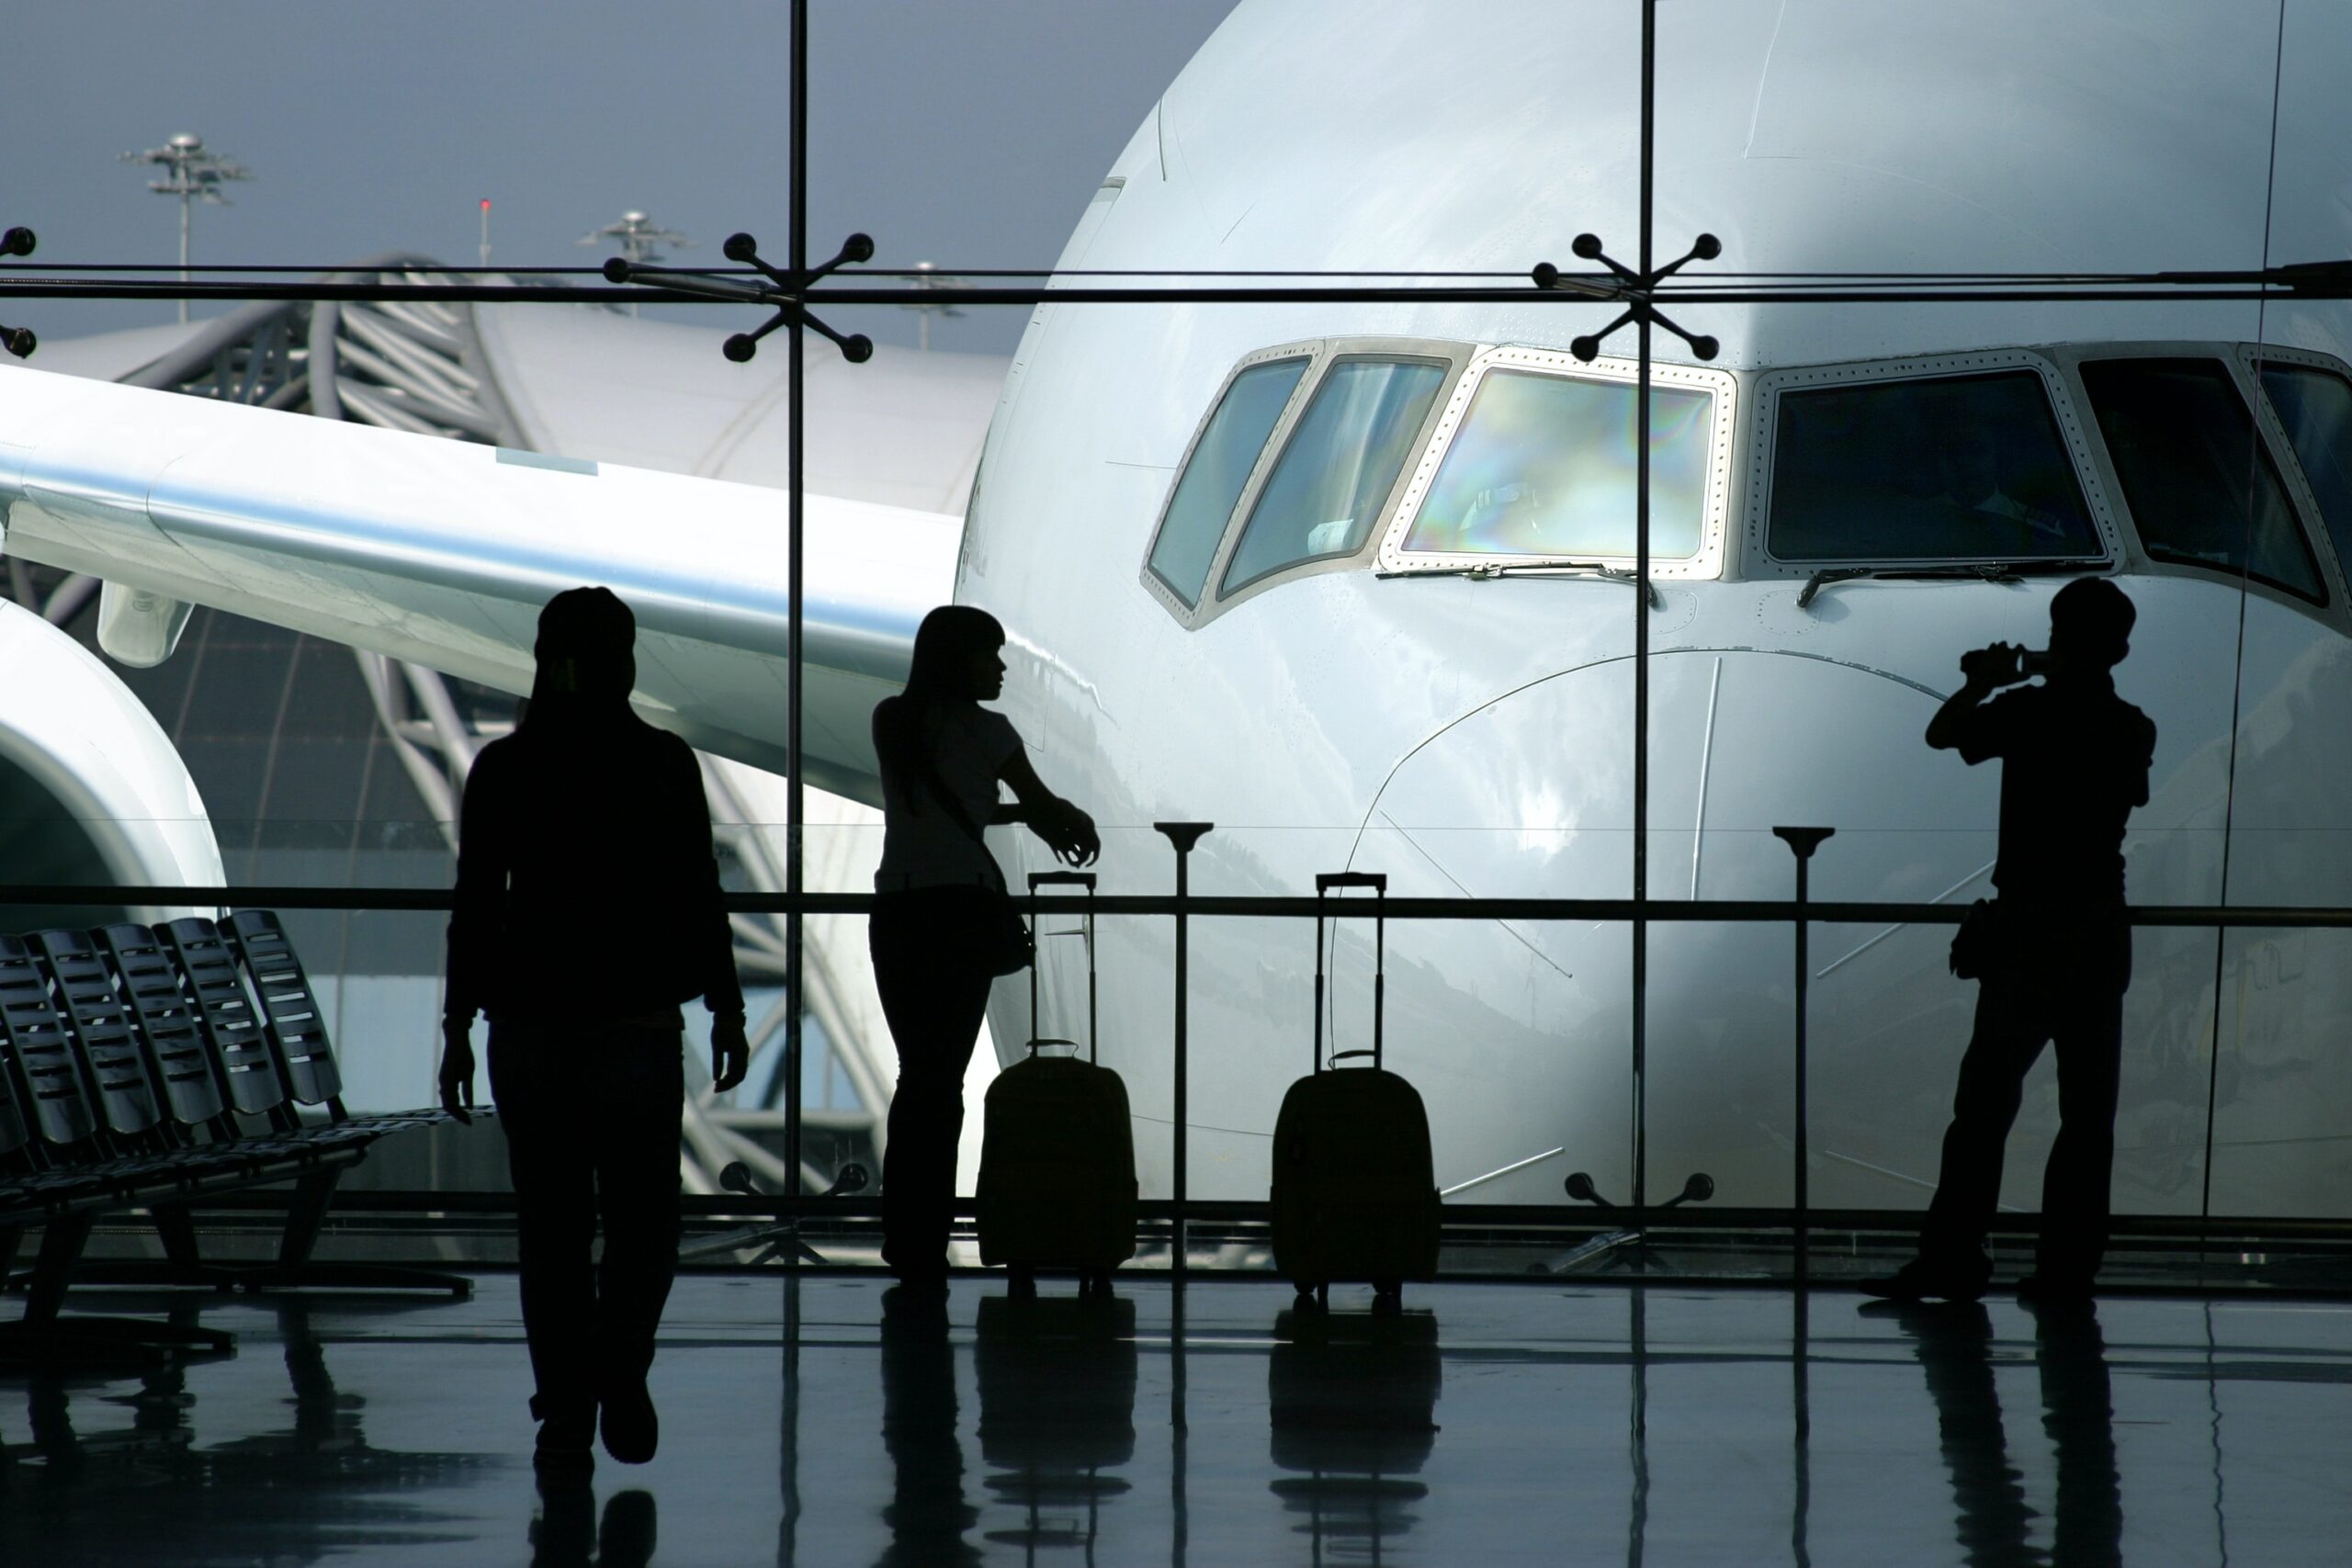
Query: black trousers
point(934, 988)
point(2061, 984)
point(591, 1115)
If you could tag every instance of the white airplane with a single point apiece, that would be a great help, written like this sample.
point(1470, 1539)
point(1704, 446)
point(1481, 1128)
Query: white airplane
point(1348, 580)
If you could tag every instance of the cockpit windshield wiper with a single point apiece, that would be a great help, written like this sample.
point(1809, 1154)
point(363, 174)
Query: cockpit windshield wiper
point(1980, 572)
point(1485, 570)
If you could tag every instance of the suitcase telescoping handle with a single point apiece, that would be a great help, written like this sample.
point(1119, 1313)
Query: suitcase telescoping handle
point(1378, 882)
point(1080, 879)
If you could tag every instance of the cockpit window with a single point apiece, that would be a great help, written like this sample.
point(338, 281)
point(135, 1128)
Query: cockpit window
point(1212, 480)
point(2200, 486)
point(2315, 408)
point(1543, 464)
point(1333, 478)
point(1959, 468)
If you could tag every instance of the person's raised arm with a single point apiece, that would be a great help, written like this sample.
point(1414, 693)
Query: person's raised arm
point(1983, 671)
point(1067, 830)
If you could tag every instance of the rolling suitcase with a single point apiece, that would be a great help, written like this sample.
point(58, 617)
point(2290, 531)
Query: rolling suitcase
point(1058, 1157)
point(1353, 1194)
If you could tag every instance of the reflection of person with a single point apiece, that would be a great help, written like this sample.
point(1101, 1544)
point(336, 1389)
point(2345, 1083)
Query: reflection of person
point(1992, 1521)
point(2057, 943)
point(942, 894)
point(587, 912)
point(928, 1513)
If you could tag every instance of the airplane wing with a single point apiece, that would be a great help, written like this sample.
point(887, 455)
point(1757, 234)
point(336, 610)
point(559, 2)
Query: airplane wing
point(441, 552)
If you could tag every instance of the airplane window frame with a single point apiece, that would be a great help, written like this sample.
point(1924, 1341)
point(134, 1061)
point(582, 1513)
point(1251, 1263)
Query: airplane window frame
point(1454, 354)
point(1414, 447)
point(1315, 352)
point(2334, 558)
point(1757, 560)
point(2331, 602)
point(1720, 384)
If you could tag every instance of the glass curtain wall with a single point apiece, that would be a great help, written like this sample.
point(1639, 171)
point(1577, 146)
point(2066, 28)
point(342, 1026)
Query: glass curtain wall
point(1353, 582)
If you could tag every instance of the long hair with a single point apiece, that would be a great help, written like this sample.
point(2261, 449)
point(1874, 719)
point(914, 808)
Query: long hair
point(945, 644)
point(949, 636)
point(587, 657)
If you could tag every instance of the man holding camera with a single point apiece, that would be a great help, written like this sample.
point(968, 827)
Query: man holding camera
point(2051, 953)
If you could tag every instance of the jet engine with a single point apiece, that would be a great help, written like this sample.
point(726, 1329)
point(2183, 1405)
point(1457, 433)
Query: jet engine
point(91, 789)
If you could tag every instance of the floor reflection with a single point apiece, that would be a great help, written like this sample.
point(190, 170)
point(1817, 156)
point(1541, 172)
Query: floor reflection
point(1056, 1377)
point(1350, 1398)
point(928, 1515)
point(1993, 1523)
point(566, 1534)
point(1581, 1424)
point(2078, 1416)
point(315, 1489)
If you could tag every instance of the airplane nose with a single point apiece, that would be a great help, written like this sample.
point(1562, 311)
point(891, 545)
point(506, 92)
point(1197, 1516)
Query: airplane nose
point(1532, 796)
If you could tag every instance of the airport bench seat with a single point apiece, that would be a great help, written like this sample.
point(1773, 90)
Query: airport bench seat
point(143, 1068)
point(241, 983)
point(82, 1132)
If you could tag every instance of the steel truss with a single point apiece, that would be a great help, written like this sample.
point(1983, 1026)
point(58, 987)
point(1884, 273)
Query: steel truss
point(414, 363)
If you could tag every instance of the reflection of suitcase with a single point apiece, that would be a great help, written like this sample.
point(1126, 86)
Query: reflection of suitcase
point(1058, 1157)
point(1056, 1376)
point(1351, 1398)
point(1353, 1196)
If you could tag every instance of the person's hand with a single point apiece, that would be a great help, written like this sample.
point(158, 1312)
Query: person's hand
point(456, 1069)
point(730, 1053)
point(2000, 664)
point(1069, 833)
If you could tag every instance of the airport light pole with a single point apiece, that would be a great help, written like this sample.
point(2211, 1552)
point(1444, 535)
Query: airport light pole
point(641, 240)
point(193, 172)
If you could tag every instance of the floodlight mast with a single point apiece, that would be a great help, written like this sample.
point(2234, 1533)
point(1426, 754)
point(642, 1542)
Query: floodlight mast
point(641, 240)
point(193, 172)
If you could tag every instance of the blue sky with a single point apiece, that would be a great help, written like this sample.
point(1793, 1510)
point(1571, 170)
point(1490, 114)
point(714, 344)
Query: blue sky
point(952, 130)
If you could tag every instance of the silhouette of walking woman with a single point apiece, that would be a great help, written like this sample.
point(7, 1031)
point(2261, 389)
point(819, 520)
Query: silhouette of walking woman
point(943, 927)
point(2052, 953)
point(587, 912)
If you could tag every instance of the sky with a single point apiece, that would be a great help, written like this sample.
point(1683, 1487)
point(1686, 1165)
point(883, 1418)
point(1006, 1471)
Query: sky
point(965, 132)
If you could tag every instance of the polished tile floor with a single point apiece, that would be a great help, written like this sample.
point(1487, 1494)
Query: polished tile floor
point(823, 1422)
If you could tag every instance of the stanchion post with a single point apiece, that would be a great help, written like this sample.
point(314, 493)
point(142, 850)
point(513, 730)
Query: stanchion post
point(1183, 836)
point(1803, 841)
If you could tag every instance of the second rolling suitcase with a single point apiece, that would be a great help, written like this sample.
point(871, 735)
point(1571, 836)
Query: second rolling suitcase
point(1353, 1194)
point(1058, 1158)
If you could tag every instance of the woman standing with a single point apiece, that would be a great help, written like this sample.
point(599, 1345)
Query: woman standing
point(942, 920)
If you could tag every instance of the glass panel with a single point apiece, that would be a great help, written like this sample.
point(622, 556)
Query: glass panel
point(1335, 475)
point(2315, 407)
point(1212, 483)
point(1543, 466)
point(1969, 467)
point(2185, 449)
